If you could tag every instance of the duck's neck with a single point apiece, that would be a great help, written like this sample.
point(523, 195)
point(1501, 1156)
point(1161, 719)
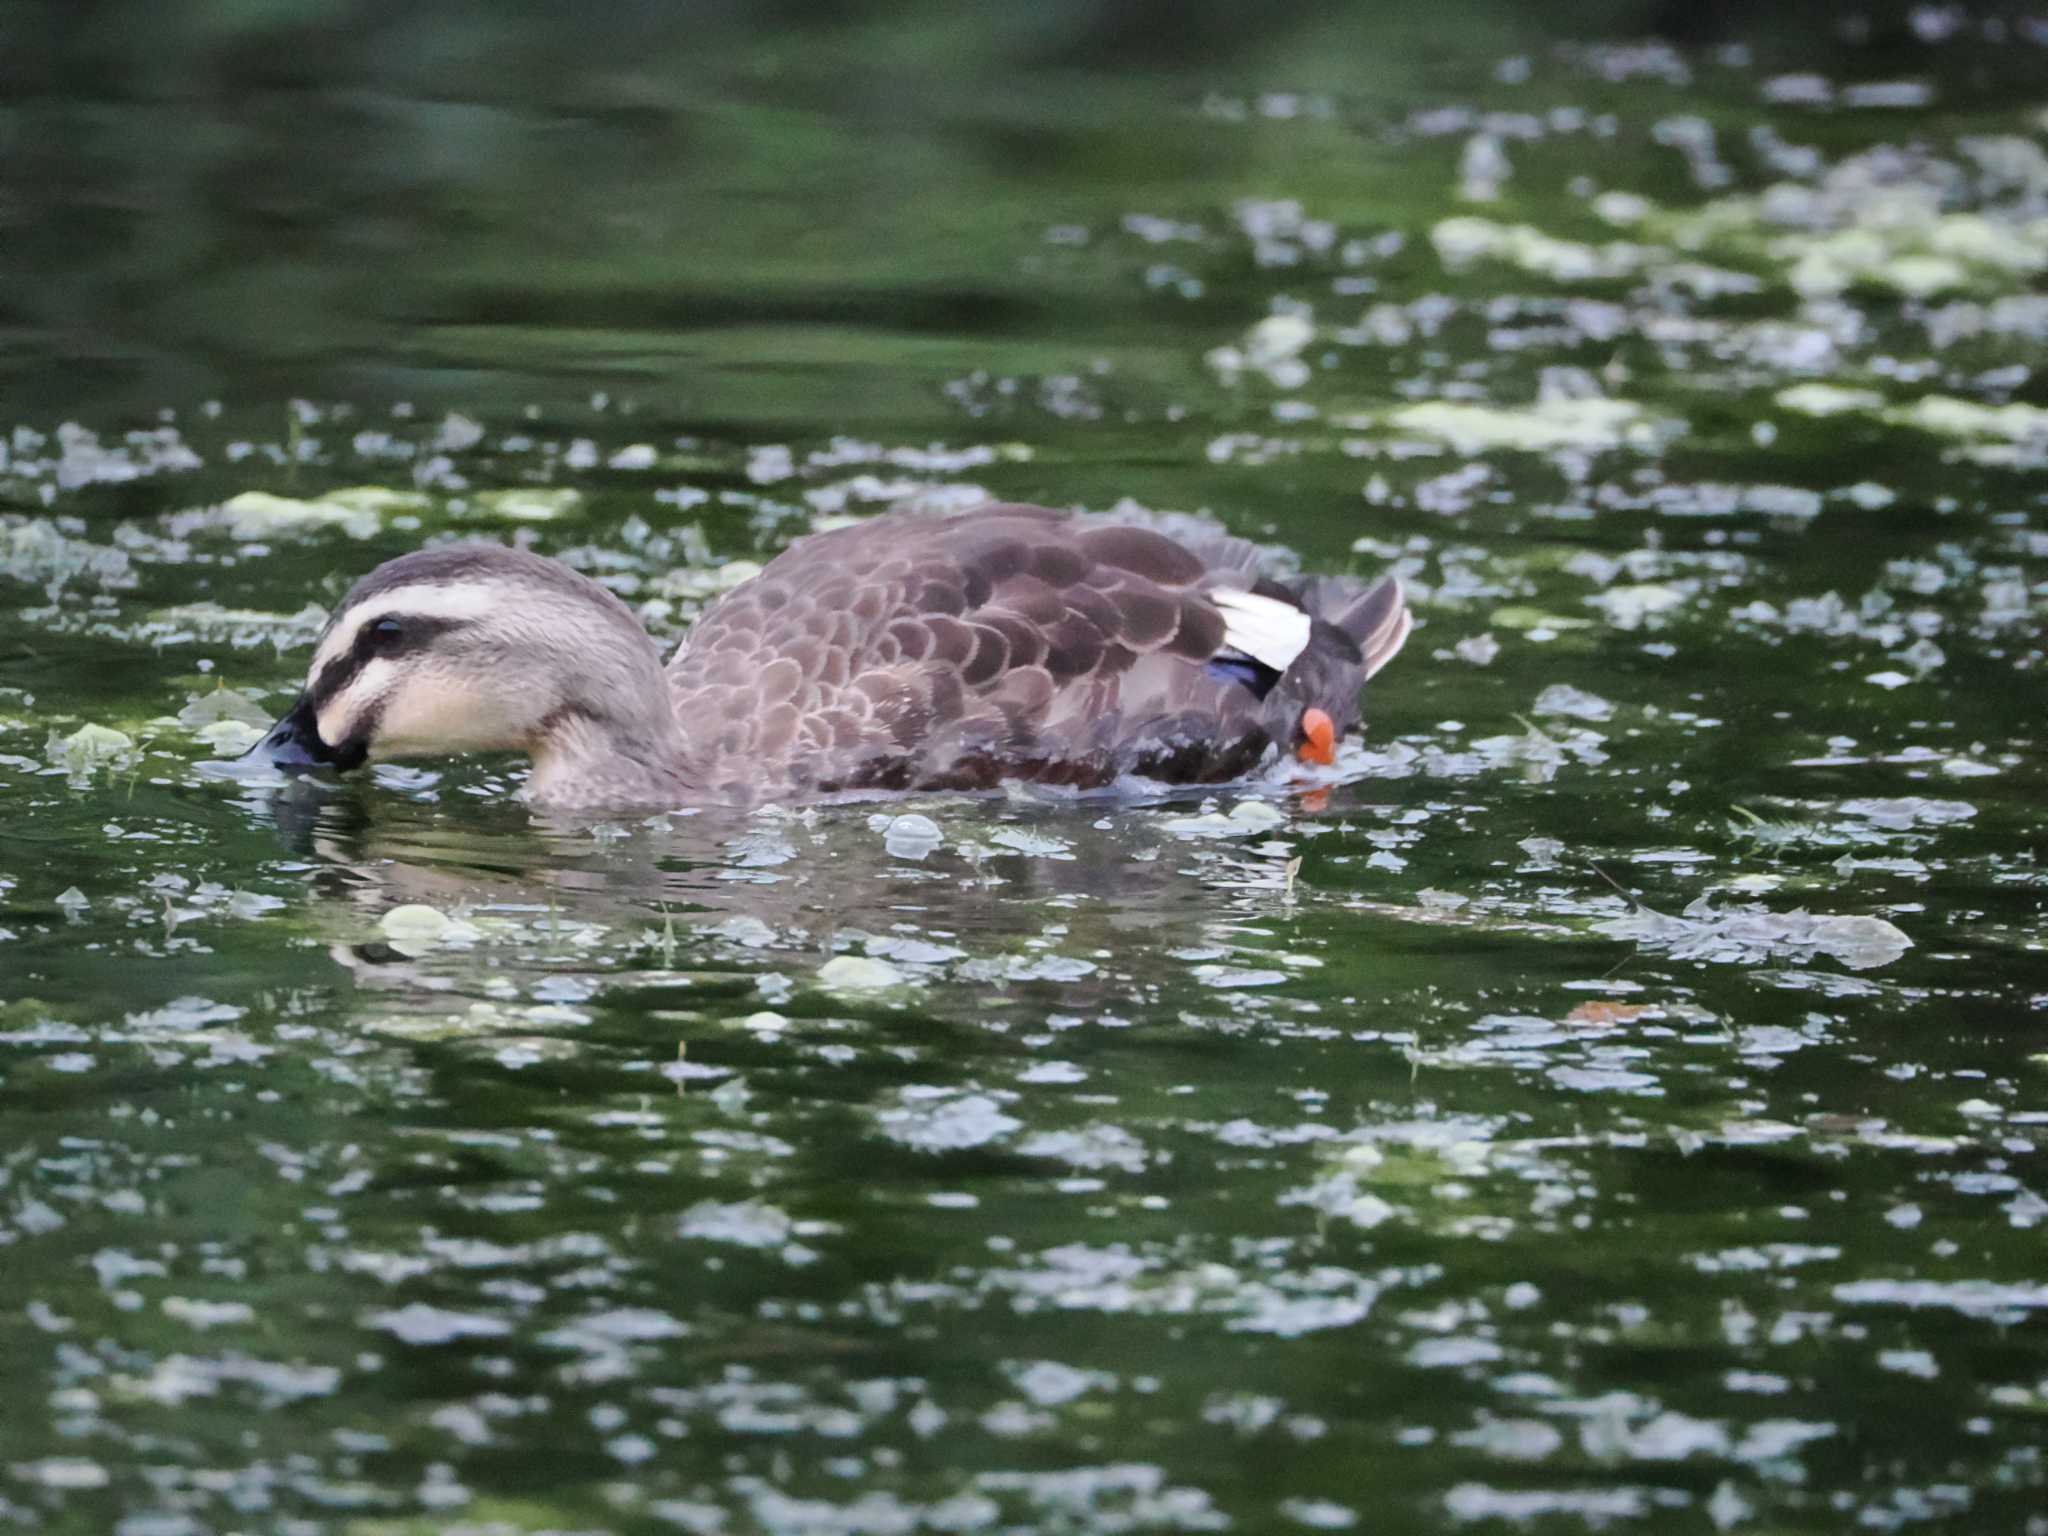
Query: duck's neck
point(585, 761)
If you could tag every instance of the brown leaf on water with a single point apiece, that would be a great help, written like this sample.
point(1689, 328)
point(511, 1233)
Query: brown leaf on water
point(1605, 1013)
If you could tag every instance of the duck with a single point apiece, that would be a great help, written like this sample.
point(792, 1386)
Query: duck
point(911, 651)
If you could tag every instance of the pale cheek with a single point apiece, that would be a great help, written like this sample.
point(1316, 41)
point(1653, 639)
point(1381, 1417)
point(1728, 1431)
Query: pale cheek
point(338, 716)
point(429, 715)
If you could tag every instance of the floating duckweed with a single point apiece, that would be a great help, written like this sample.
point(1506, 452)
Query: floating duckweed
point(1519, 616)
point(1868, 495)
point(1634, 606)
point(359, 512)
point(1465, 239)
point(1972, 238)
point(1247, 818)
point(1949, 417)
point(239, 626)
point(1540, 428)
point(1477, 650)
point(33, 551)
point(1828, 399)
point(1918, 259)
point(695, 581)
point(941, 1120)
point(1563, 699)
point(1031, 844)
point(1271, 348)
point(529, 504)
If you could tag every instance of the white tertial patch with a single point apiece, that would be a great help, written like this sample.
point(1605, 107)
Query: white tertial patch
point(462, 601)
point(1269, 631)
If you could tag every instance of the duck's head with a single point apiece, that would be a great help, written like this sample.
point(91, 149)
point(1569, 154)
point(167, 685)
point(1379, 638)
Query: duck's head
point(473, 648)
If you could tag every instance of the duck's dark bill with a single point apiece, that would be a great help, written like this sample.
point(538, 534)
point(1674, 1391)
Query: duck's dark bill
point(294, 744)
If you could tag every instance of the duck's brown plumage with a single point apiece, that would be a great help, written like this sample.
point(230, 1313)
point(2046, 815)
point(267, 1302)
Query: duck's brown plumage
point(904, 652)
point(1008, 642)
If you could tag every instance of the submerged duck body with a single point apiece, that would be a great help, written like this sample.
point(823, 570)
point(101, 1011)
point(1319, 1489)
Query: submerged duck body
point(906, 652)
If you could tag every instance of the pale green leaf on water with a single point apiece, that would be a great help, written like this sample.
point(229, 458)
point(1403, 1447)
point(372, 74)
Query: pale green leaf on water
point(415, 921)
point(1750, 935)
point(230, 738)
point(528, 504)
point(88, 749)
point(1477, 650)
point(1464, 239)
point(858, 973)
point(700, 581)
point(1522, 617)
point(415, 928)
point(1576, 703)
point(1764, 831)
point(479, 1021)
point(358, 511)
point(238, 625)
point(1246, 819)
point(205, 709)
point(513, 1516)
point(1631, 607)
point(1947, 416)
point(906, 949)
point(1540, 428)
point(1813, 399)
point(383, 500)
point(1900, 248)
point(1272, 347)
point(1034, 844)
point(225, 720)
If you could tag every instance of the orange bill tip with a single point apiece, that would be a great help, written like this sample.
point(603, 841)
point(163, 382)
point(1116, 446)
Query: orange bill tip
point(1318, 738)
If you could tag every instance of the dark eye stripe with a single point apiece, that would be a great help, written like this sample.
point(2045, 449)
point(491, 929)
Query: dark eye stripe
point(416, 633)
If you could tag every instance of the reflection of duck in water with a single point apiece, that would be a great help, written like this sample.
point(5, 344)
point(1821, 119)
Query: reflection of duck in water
point(907, 652)
point(1011, 891)
point(993, 867)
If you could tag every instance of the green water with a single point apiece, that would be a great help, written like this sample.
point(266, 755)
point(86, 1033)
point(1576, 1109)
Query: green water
point(1345, 1160)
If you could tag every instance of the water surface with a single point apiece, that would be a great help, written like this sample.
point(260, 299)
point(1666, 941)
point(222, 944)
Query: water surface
point(1611, 1102)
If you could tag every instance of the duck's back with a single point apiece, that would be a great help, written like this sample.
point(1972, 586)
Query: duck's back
point(923, 652)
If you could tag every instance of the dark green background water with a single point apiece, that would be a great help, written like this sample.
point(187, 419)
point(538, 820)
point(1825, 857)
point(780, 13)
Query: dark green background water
point(1356, 1160)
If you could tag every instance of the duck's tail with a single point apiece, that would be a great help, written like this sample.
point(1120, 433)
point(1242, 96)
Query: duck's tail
point(1376, 618)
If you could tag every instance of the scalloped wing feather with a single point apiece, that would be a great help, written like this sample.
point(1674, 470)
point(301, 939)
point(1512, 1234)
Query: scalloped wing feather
point(1011, 642)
